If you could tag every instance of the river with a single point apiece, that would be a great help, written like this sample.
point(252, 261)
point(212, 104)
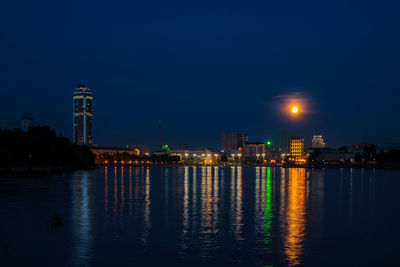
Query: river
point(182, 216)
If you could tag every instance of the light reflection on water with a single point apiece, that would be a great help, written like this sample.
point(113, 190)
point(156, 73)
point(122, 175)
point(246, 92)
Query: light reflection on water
point(211, 216)
point(257, 216)
point(202, 223)
point(82, 216)
point(146, 204)
point(293, 221)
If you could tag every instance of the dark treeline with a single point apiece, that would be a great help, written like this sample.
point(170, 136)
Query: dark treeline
point(370, 153)
point(392, 156)
point(41, 147)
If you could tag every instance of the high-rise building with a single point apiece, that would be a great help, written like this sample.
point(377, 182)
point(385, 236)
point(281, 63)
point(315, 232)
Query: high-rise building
point(83, 116)
point(296, 146)
point(317, 142)
point(233, 141)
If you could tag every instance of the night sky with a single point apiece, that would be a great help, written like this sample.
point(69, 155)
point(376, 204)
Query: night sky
point(204, 67)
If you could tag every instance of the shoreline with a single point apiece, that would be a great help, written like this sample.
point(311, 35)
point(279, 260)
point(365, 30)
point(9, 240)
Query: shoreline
point(27, 171)
point(312, 166)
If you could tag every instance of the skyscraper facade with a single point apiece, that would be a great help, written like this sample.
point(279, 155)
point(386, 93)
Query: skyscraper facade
point(233, 141)
point(83, 116)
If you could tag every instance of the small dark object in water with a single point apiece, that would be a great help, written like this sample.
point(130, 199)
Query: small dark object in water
point(57, 221)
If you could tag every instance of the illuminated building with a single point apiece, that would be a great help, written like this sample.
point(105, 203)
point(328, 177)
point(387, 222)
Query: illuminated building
point(233, 141)
point(251, 150)
point(83, 121)
point(296, 146)
point(204, 156)
point(317, 142)
point(101, 152)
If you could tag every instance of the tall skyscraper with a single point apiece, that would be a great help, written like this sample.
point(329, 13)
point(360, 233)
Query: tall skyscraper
point(233, 141)
point(296, 146)
point(83, 116)
point(317, 142)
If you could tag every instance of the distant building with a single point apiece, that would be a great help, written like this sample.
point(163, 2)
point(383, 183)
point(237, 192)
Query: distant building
point(333, 156)
point(274, 153)
point(183, 147)
point(359, 147)
point(101, 151)
point(317, 142)
point(254, 149)
point(142, 148)
point(233, 141)
point(27, 121)
point(296, 146)
point(201, 156)
point(83, 116)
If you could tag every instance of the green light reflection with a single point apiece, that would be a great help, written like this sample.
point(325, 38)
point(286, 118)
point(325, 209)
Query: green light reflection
point(268, 212)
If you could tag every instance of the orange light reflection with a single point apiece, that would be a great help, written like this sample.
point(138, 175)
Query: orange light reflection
point(295, 216)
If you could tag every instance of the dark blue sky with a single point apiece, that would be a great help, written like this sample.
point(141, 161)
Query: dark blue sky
point(204, 67)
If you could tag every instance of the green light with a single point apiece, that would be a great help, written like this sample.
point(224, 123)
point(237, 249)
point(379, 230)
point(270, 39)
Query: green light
point(165, 147)
point(268, 143)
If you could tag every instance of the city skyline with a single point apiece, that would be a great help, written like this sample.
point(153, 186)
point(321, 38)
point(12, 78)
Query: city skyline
point(205, 70)
point(199, 133)
point(278, 139)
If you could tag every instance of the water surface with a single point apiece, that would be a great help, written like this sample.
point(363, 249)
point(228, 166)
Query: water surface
point(239, 216)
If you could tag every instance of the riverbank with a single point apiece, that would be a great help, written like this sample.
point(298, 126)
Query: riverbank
point(316, 166)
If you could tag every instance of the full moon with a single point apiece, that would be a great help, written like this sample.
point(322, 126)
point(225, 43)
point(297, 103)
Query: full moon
point(293, 106)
